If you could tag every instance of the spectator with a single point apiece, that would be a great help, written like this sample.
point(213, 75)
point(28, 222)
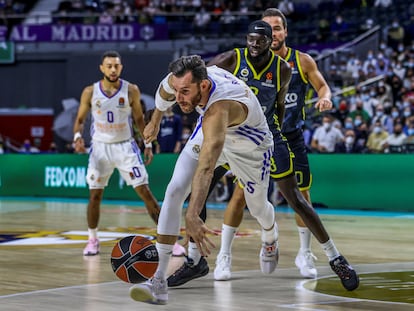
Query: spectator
point(28, 148)
point(201, 22)
point(342, 112)
point(52, 148)
point(384, 119)
point(169, 137)
point(339, 28)
point(376, 138)
point(326, 136)
point(227, 21)
point(361, 136)
point(349, 145)
point(395, 34)
point(394, 142)
point(360, 111)
point(409, 141)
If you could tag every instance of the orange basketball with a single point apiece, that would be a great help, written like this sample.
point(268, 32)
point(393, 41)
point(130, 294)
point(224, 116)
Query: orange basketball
point(134, 259)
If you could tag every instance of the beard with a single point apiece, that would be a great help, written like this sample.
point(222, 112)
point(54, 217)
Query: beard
point(278, 46)
point(107, 78)
point(188, 107)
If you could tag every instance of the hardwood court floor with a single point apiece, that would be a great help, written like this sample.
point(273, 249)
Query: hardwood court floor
point(42, 267)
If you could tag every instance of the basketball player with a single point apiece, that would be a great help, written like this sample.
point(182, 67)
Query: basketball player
point(113, 102)
point(236, 132)
point(304, 70)
point(263, 71)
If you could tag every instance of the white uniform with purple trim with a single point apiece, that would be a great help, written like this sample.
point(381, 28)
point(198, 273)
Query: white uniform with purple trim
point(112, 143)
point(247, 148)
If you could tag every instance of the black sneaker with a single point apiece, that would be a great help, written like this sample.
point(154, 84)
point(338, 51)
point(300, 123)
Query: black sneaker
point(346, 273)
point(187, 272)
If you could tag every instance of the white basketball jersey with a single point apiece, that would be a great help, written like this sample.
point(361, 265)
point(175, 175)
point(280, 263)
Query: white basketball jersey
point(254, 131)
point(111, 115)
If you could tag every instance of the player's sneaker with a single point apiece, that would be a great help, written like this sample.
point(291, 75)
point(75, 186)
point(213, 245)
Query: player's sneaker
point(222, 272)
point(154, 291)
point(178, 250)
point(92, 248)
point(346, 273)
point(305, 262)
point(188, 271)
point(269, 257)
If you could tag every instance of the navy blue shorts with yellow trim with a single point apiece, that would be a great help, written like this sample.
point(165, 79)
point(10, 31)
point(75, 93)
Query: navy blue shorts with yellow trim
point(300, 160)
point(282, 160)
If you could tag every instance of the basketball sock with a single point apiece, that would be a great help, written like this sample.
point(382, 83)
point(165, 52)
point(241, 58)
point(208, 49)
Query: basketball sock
point(93, 233)
point(330, 249)
point(304, 238)
point(271, 235)
point(227, 237)
point(193, 252)
point(164, 254)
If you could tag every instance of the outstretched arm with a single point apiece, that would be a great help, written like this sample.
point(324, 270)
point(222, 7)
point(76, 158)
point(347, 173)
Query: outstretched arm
point(318, 82)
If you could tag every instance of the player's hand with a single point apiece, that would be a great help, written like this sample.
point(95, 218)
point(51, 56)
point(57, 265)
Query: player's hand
point(79, 146)
point(148, 155)
point(323, 104)
point(197, 230)
point(151, 131)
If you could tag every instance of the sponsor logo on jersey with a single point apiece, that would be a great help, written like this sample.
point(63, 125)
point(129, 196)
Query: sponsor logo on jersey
point(121, 102)
point(196, 149)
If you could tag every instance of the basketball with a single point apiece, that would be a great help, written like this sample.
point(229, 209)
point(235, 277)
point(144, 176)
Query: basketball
point(134, 259)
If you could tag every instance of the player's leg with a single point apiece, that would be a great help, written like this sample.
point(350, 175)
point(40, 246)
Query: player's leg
point(233, 217)
point(155, 290)
point(294, 197)
point(196, 265)
point(304, 259)
point(252, 171)
point(97, 177)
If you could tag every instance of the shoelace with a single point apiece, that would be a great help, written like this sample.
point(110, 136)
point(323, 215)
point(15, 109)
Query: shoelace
point(309, 258)
point(341, 269)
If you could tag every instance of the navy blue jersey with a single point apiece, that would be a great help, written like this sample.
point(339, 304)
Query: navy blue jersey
point(295, 97)
point(265, 84)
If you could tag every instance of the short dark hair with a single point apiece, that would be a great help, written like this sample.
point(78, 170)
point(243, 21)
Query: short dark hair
point(110, 54)
point(193, 63)
point(275, 12)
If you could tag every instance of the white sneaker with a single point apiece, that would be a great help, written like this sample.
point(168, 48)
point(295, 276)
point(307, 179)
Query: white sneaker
point(222, 272)
point(154, 291)
point(269, 257)
point(306, 265)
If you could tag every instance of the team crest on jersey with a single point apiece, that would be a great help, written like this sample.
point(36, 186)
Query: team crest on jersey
point(244, 72)
point(98, 104)
point(121, 102)
point(196, 149)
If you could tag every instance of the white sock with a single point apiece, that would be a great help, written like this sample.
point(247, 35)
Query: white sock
point(93, 233)
point(269, 236)
point(193, 252)
point(330, 249)
point(164, 254)
point(304, 238)
point(227, 237)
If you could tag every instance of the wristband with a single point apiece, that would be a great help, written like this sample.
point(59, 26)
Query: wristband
point(166, 86)
point(77, 136)
point(148, 145)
